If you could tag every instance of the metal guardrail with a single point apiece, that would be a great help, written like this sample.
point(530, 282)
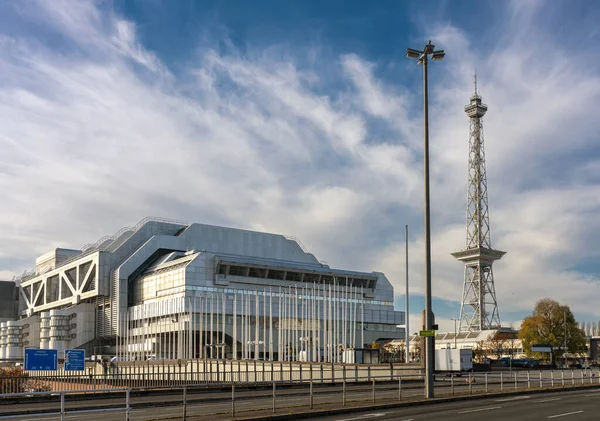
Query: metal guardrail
point(155, 374)
point(383, 389)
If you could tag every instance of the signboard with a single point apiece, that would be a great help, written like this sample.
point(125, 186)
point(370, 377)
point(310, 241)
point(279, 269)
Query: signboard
point(541, 348)
point(427, 333)
point(74, 360)
point(41, 359)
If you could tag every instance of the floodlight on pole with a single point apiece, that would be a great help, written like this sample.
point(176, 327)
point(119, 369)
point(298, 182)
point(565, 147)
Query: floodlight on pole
point(438, 55)
point(410, 53)
point(422, 57)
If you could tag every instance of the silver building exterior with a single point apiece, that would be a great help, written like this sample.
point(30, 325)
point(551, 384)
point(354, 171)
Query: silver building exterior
point(168, 289)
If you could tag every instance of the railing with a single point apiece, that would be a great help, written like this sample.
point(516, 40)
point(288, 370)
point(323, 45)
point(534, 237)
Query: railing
point(271, 396)
point(297, 241)
point(170, 373)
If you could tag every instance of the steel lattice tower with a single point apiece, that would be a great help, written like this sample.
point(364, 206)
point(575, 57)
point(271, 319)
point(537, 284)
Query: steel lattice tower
point(479, 308)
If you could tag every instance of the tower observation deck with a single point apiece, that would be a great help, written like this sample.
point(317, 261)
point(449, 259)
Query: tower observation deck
point(479, 307)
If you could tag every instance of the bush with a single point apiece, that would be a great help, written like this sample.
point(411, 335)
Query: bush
point(15, 380)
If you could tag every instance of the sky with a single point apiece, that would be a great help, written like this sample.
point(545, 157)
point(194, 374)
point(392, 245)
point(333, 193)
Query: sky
point(305, 118)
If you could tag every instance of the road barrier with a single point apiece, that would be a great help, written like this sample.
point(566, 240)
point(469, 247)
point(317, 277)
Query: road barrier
point(148, 374)
point(201, 399)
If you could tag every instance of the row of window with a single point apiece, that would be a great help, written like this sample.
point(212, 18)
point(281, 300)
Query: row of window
point(265, 273)
point(232, 291)
point(263, 322)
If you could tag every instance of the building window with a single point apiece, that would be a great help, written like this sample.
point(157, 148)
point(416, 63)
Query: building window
point(222, 270)
point(327, 279)
point(275, 274)
point(257, 273)
point(237, 271)
point(293, 276)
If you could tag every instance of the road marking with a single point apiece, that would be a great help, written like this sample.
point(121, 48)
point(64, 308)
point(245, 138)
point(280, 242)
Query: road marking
point(564, 415)
point(362, 417)
point(480, 409)
point(516, 398)
point(548, 400)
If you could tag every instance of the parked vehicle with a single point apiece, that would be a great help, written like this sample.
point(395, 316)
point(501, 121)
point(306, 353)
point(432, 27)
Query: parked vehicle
point(505, 361)
point(453, 360)
point(519, 362)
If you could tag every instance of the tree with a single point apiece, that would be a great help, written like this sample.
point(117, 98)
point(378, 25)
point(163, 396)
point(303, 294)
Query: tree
point(417, 348)
point(546, 326)
point(496, 344)
point(479, 352)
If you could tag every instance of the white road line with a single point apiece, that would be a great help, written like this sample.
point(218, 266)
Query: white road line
point(564, 415)
point(362, 417)
point(479, 409)
point(516, 398)
point(548, 400)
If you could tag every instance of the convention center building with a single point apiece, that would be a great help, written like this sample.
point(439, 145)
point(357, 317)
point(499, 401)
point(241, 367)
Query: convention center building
point(165, 289)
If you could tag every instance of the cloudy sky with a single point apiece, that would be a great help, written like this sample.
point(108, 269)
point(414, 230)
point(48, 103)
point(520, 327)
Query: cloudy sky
point(304, 118)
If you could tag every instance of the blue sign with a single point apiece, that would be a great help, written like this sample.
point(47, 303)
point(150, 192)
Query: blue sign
point(41, 359)
point(74, 360)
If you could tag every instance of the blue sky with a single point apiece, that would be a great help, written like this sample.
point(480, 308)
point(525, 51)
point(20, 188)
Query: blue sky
point(304, 118)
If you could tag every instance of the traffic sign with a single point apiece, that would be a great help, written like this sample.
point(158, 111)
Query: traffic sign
point(74, 360)
point(427, 333)
point(41, 359)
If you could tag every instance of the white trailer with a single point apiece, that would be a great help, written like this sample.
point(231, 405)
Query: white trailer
point(453, 360)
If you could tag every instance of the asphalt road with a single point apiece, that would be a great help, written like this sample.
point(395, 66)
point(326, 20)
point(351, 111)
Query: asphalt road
point(217, 405)
point(582, 405)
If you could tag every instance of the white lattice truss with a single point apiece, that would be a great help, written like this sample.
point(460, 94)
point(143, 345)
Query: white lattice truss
point(479, 307)
point(479, 296)
point(66, 285)
point(478, 219)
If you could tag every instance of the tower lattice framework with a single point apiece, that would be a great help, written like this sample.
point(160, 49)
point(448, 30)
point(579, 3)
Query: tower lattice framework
point(479, 307)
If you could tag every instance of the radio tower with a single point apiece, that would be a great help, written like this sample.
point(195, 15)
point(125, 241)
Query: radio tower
point(478, 308)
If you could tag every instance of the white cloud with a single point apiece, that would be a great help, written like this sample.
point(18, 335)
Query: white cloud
point(98, 134)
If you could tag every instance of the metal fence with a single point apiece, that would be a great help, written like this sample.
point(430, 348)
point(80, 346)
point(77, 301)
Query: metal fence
point(158, 374)
point(236, 398)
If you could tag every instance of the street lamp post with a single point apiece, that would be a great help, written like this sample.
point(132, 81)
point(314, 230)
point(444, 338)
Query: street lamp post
point(221, 349)
point(566, 349)
point(423, 58)
point(304, 343)
point(256, 345)
point(455, 333)
point(407, 329)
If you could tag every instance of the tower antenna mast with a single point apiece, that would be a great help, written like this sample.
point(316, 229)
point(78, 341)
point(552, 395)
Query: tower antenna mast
point(479, 307)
